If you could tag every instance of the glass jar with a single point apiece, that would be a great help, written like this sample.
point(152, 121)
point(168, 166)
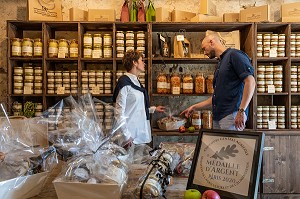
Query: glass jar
point(129, 35)
point(27, 47)
point(168, 83)
point(87, 52)
point(209, 84)
point(161, 83)
point(107, 52)
point(18, 70)
point(16, 47)
point(199, 84)
point(175, 84)
point(196, 120)
point(53, 48)
point(187, 86)
point(87, 40)
point(73, 48)
point(120, 35)
point(63, 48)
point(37, 47)
point(97, 39)
point(107, 40)
point(140, 35)
point(97, 52)
point(207, 119)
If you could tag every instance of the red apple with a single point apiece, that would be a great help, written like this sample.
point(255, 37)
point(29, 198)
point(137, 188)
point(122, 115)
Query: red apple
point(181, 129)
point(210, 194)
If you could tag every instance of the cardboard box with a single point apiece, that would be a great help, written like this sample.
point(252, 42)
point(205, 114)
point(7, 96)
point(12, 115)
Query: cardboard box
point(207, 7)
point(206, 18)
point(231, 17)
point(255, 14)
point(290, 19)
point(163, 15)
point(42, 11)
point(230, 39)
point(77, 14)
point(290, 10)
point(182, 16)
point(23, 187)
point(101, 15)
point(77, 190)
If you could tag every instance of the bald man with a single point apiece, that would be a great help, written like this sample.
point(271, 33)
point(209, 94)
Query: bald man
point(234, 85)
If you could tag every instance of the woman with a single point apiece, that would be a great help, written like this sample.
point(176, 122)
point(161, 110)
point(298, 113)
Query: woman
point(132, 101)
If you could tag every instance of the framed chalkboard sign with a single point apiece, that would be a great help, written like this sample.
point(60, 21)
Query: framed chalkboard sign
point(228, 162)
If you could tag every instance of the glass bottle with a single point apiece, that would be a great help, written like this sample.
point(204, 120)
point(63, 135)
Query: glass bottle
point(161, 83)
point(37, 47)
point(133, 11)
point(209, 84)
point(187, 86)
point(53, 48)
point(199, 84)
point(73, 48)
point(27, 47)
point(196, 120)
point(175, 84)
point(16, 49)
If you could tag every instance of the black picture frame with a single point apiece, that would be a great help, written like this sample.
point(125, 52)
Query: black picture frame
point(233, 169)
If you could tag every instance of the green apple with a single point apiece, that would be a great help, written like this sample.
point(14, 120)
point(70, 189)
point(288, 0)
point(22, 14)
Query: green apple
point(191, 129)
point(192, 194)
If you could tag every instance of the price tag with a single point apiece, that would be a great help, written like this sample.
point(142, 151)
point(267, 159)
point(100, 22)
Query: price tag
point(27, 90)
point(272, 124)
point(96, 90)
point(180, 38)
point(96, 54)
point(271, 89)
point(273, 52)
point(61, 55)
point(162, 38)
point(60, 90)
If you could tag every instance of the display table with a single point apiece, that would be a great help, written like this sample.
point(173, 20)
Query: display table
point(175, 190)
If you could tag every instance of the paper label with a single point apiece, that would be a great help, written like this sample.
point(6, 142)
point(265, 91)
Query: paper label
point(180, 38)
point(273, 52)
point(271, 89)
point(272, 124)
point(61, 55)
point(60, 90)
point(95, 90)
point(27, 89)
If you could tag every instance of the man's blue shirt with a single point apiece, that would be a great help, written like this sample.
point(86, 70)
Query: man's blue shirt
point(234, 66)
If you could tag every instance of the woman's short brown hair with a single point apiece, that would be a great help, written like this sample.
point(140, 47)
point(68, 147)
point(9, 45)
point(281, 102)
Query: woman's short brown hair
point(129, 57)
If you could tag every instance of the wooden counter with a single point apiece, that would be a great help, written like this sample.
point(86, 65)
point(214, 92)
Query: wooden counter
point(176, 190)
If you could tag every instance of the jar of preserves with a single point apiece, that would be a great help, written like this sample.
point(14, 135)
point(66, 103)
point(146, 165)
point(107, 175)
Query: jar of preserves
point(97, 52)
point(38, 70)
point(140, 42)
point(196, 120)
point(140, 35)
point(73, 48)
point(28, 70)
point(120, 35)
point(175, 84)
point(87, 52)
point(18, 78)
point(129, 35)
point(161, 83)
point(97, 39)
point(107, 40)
point(209, 84)
point(18, 70)
point(129, 42)
point(53, 48)
point(207, 119)
point(87, 40)
point(199, 84)
point(187, 85)
point(120, 42)
point(168, 83)
point(37, 47)
point(16, 47)
point(107, 52)
point(63, 48)
point(27, 47)
point(18, 90)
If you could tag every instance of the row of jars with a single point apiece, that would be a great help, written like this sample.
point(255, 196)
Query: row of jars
point(202, 119)
point(26, 47)
point(270, 45)
point(141, 77)
point(62, 82)
point(295, 45)
point(268, 114)
point(27, 80)
point(96, 81)
point(62, 48)
point(17, 109)
point(295, 78)
point(174, 84)
point(127, 41)
point(105, 114)
point(269, 75)
point(295, 117)
point(96, 46)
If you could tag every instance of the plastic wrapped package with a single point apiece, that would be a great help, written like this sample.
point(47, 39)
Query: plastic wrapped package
point(24, 166)
point(157, 176)
point(186, 153)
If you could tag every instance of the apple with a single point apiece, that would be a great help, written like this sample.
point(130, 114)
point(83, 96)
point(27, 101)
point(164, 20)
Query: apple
point(210, 194)
point(191, 129)
point(192, 194)
point(182, 129)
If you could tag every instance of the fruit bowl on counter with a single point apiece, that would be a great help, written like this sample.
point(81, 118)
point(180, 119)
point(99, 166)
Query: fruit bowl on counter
point(170, 123)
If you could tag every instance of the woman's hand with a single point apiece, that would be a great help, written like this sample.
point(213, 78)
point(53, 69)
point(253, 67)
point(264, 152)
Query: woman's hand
point(160, 109)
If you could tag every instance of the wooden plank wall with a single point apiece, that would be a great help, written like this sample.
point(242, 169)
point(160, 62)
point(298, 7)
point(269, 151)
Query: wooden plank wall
point(282, 165)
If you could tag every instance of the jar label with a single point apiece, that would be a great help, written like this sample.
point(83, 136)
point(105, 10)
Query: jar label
point(38, 50)
point(26, 49)
point(176, 90)
point(16, 49)
point(87, 52)
point(63, 50)
point(196, 122)
point(87, 40)
point(98, 40)
point(161, 85)
point(187, 85)
point(97, 54)
point(74, 50)
point(53, 50)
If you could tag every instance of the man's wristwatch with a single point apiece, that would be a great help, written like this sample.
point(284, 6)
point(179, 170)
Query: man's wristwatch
point(241, 110)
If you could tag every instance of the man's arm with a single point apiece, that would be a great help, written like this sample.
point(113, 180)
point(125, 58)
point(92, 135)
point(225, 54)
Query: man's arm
point(203, 104)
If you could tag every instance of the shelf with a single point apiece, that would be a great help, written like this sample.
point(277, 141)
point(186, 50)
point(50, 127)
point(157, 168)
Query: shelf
point(62, 95)
point(62, 59)
point(121, 59)
point(294, 94)
point(172, 95)
point(63, 25)
point(271, 59)
point(266, 94)
point(102, 95)
point(166, 60)
point(26, 59)
point(26, 25)
point(295, 59)
point(93, 60)
point(26, 95)
point(158, 132)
